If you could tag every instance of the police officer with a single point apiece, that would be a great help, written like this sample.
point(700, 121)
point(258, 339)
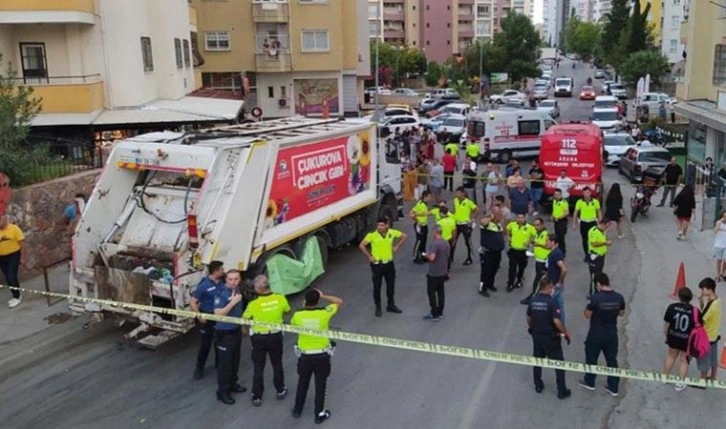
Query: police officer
point(420, 215)
point(229, 337)
point(448, 230)
point(314, 352)
point(546, 329)
point(384, 242)
point(268, 307)
point(202, 301)
point(598, 244)
point(587, 210)
point(465, 211)
point(473, 151)
point(541, 251)
point(560, 213)
point(603, 310)
point(520, 235)
point(491, 244)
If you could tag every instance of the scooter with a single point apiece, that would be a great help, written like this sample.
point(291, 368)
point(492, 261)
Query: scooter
point(640, 202)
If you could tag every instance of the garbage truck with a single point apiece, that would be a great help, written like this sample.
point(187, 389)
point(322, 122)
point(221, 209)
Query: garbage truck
point(268, 197)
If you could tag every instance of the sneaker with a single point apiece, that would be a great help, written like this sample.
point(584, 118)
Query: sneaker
point(481, 286)
point(535, 213)
point(468, 262)
point(323, 416)
point(621, 236)
point(526, 300)
point(296, 413)
point(510, 288)
point(14, 302)
point(564, 394)
point(611, 393)
point(430, 318)
point(493, 288)
point(584, 385)
point(256, 401)
point(659, 205)
point(680, 387)
point(282, 393)
point(484, 293)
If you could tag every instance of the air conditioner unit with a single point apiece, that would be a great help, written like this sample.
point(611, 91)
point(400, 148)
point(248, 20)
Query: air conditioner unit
point(282, 102)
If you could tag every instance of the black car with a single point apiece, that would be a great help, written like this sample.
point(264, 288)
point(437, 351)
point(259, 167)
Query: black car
point(436, 105)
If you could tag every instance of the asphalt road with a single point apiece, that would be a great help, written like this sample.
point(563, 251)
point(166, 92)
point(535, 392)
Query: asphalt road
point(67, 377)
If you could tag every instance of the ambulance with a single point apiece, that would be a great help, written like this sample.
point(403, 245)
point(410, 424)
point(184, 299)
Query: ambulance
point(576, 148)
point(512, 133)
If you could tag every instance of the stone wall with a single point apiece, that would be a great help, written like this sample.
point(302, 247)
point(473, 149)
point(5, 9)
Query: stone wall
point(38, 210)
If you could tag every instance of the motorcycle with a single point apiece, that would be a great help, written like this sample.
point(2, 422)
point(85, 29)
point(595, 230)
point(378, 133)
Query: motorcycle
point(640, 202)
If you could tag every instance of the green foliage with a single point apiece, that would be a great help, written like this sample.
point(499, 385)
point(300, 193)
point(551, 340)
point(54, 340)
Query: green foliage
point(402, 61)
point(638, 29)
point(614, 23)
point(519, 42)
point(434, 72)
point(582, 38)
point(642, 63)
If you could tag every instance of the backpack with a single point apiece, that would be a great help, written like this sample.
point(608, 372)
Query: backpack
point(698, 343)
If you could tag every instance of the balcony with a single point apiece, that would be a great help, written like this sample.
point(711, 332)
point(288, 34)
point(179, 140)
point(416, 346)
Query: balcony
point(193, 18)
point(466, 34)
point(267, 63)
point(47, 12)
point(67, 94)
point(270, 12)
point(394, 33)
point(393, 15)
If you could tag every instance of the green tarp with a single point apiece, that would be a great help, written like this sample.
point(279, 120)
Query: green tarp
point(288, 275)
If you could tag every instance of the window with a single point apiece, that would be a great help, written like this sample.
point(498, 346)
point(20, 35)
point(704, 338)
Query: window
point(719, 65)
point(528, 128)
point(482, 11)
point(34, 62)
point(270, 92)
point(187, 54)
point(428, 43)
point(675, 22)
point(315, 41)
point(428, 25)
point(178, 53)
point(373, 11)
point(216, 40)
point(283, 91)
point(146, 54)
point(674, 46)
point(448, 42)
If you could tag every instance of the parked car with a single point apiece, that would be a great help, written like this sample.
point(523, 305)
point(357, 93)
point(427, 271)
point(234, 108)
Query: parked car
point(551, 107)
point(425, 102)
point(510, 94)
point(606, 86)
point(653, 100)
point(400, 123)
point(514, 103)
point(452, 128)
point(435, 122)
point(606, 119)
point(618, 91)
point(407, 92)
point(638, 159)
point(616, 144)
point(381, 91)
point(432, 109)
point(545, 82)
point(462, 109)
point(605, 102)
point(599, 74)
point(563, 87)
point(445, 92)
point(540, 91)
point(587, 93)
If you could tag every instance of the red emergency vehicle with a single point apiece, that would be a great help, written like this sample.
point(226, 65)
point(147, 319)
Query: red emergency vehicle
point(576, 148)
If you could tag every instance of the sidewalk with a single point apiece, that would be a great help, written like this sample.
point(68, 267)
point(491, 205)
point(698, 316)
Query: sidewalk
point(33, 314)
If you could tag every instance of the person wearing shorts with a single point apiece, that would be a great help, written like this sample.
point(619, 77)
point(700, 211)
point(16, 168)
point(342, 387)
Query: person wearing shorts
point(719, 246)
point(711, 317)
point(678, 323)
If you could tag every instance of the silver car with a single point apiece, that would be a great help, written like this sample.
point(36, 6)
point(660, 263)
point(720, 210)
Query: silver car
point(540, 91)
point(616, 145)
point(638, 159)
point(550, 107)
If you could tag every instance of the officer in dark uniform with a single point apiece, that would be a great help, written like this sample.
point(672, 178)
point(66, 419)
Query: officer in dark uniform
point(491, 244)
point(546, 328)
point(202, 301)
point(229, 337)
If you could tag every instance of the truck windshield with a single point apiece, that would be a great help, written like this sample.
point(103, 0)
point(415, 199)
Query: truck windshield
point(604, 104)
point(562, 82)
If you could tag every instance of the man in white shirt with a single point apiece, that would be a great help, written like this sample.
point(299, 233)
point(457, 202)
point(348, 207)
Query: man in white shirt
point(564, 184)
point(635, 132)
point(644, 142)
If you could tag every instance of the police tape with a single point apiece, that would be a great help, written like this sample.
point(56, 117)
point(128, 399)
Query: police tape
point(403, 344)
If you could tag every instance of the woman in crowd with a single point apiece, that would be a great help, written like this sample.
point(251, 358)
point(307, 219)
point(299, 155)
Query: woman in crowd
point(685, 205)
point(719, 246)
point(614, 208)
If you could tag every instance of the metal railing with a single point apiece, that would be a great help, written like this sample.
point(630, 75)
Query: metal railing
point(57, 80)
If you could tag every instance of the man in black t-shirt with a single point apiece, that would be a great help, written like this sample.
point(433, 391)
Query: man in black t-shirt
point(546, 328)
point(603, 310)
point(677, 326)
point(536, 186)
point(671, 179)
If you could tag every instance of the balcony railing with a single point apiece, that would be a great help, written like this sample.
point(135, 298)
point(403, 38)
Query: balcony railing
point(57, 80)
point(270, 12)
point(281, 62)
point(86, 6)
point(67, 94)
point(271, 43)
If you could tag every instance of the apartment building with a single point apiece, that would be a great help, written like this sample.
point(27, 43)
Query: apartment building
point(601, 9)
point(550, 33)
point(102, 65)
point(671, 45)
point(298, 56)
point(702, 90)
point(655, 17)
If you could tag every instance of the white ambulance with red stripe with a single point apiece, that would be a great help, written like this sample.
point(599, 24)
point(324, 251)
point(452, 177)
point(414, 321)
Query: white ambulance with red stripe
point(511, 133)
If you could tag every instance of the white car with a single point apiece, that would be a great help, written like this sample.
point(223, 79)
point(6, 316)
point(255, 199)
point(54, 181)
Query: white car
point(508, 95)
point(653, 100)
point(615, 146)
point(381, 91)
point(540, 91)
point(454, 126)
point(605, 102)
point(606, 119)
point(406, 92)
point(400, 123)
point(550, 107)
point(563, 87)
point(456, 108)
point(618, 91)
point(444, 92)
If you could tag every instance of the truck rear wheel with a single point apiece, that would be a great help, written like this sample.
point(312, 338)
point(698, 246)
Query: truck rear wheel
point(388, 210)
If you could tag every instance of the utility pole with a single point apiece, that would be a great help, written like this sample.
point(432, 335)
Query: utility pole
point(375, 96)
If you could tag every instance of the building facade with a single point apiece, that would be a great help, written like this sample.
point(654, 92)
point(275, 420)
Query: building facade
point(104, 64)
point(298, 57)
point(602, 8)
point(702, 90)
point(671, 45)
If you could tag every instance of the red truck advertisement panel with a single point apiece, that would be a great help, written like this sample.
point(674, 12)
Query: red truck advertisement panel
point(310, 176)
point(577, 149)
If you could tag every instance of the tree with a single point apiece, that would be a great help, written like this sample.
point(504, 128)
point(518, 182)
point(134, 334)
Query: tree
point(641, 63)
point(520, 42)
point(614, 23)
point(638, 29)
point(433, 73)
point(399, 61)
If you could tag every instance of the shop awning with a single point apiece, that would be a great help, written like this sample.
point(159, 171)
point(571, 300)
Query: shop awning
point(704, 112)
point(185, 110)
